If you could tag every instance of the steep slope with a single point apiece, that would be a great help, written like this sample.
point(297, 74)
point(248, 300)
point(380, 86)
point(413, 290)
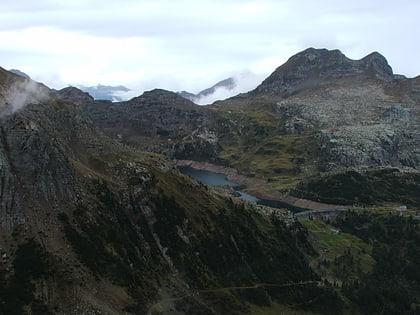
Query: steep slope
point(90, 226)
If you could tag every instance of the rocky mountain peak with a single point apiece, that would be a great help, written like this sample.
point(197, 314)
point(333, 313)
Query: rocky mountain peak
point(74, 95)
point(313, 67)
point(160, 97)
point(378, 64)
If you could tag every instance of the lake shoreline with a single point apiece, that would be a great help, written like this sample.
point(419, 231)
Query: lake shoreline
point(256, 187)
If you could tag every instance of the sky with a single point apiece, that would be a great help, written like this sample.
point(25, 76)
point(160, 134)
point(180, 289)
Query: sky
point(190, 45)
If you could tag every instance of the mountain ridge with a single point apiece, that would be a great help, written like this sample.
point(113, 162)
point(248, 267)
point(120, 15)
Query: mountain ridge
point(320, 66)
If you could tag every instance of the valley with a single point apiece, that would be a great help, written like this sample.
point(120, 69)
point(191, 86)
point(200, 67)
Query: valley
point(97, 218)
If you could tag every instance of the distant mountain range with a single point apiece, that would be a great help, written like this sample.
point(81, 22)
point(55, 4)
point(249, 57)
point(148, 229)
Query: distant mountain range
point(221, 90)
point(228, 84)
point(98, 92)
point(232, 86)
point(106, 92)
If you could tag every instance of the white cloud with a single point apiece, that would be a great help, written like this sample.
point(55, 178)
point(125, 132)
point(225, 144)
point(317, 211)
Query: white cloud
point(190, 45)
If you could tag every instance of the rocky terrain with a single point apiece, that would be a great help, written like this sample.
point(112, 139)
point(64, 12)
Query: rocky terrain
point(91, 226)
point(95, 218)
point(319, 114)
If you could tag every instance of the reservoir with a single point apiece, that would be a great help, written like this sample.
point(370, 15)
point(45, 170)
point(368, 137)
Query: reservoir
point(218, 179)
point(215, 179)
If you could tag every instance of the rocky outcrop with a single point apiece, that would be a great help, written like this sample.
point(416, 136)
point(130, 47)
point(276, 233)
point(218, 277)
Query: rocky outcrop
point(34, 165)
point(352, 146)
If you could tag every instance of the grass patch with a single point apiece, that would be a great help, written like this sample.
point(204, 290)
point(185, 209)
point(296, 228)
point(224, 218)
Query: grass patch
point(340, 255)
point(277, 159)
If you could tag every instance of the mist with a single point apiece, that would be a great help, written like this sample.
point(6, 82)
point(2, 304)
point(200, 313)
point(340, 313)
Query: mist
point(244, 82)
point(20, 94)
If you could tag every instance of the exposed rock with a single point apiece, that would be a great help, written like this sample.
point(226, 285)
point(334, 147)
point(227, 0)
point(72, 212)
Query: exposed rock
point(376, 145)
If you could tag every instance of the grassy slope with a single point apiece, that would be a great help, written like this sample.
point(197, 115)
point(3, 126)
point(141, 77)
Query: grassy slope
point(371, 260)
point(252, 143)
point(332, 263)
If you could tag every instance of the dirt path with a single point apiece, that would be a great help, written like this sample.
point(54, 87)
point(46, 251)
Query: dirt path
point(256, 187)
point(195, 292)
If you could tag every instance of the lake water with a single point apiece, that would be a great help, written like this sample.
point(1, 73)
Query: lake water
point(215, 179)
point(218, 179)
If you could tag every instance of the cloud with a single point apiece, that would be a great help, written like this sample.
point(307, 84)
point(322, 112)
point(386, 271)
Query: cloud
point(187, 45)
point(244, 82)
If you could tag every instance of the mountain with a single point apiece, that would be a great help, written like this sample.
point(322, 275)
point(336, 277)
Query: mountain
point(318, 117)
point(75, 95)
point(313, 67)
point(226, 84)
point(89, 225)
point(95, 217)
point(106, 92)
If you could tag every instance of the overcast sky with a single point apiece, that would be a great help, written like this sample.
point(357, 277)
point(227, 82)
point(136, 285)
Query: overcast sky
point(189, 45)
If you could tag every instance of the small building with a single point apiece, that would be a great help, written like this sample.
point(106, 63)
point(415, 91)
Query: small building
point(402, 209)
point(335, 230)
